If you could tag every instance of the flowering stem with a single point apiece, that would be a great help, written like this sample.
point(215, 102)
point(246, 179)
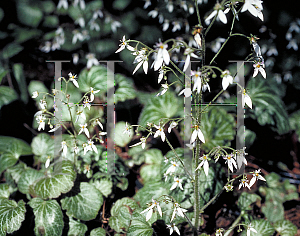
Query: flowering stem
point(198, 14)
point(233, 225)
point(210, 201)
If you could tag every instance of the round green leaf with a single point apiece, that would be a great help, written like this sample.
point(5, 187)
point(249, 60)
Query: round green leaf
point(139, 226)
point(246, 199)
point(98, 232)
point(14, 145)
point(122, 139)
point(104, 186)
point(12, 215)
point(121, 4)
point(263, 228)
point(96, 78)
point(48, 217)
point(28, 177)
point(153, 156)
point(165, 106)
point(29, 15)
point(4, 190)
point(8, 95)
point(125, 201)
point(148, 191)
point(7, 160)
point(285, 228)
point(76, 228)
point(85, 205)
point(273, 211)
point(217, 127)
point(37, 86)
point(43, 145)
point(151, 173)
point(125, 89)
point(60, 181)
point(11, 50)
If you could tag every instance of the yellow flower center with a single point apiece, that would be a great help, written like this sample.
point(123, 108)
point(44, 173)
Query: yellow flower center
point(161, 46)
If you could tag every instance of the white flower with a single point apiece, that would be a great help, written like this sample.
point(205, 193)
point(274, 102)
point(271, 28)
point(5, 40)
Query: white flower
point(86, 104)
point(147, 4)
point(153, 13)
point(220, 14)
point(94, 25)
point(76, 36)
point(126, 129)
point(80, 114)
point(255, 177)
point(170, 6)
point(246, 99)
point(227, 79)
point(176, 26)
point(197, 133)
point(97, 13)
point(84, 129)
point(76, 149)
point(160, 132)
point(292, 44)
point(254, 7)
point(62, 3)
point(43, 104)
point(183, 5)
point(219, 232)
point(178, 210)
point(249, 229)
point(35, 94)
point(166, 25)
point(196, 76)
point(75, 58)
point(81, 3)
point(47, 162)
point(142, 59)
point(86, 169)
point(92, 145)
point(149, 210)
point(80, 21)
point(188, 52)
point(56, 127)
point(99, 123)
point(114, 25)
point(172, 168)
point(165, 89)
point(64, 148)
point(216, 45)
point(72, 78)
point(124, 44)
point(228, 187)
point(143, 142)
point(40, 119)
point(161, 74)
point(162, 55)
point(230, 161)
point(91, 60)
point(259, 67)
point(204, 163)
point(172, 228)
point(186, 91)
point(172, 125)
point(86, 148)
point(177, 183)
point(205, 86)
point(93, 92)
point(244, 183)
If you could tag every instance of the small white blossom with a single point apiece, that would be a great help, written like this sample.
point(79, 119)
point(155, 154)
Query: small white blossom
point(165, 89)
point(141, 59)
point(64, 148)
point(172, 125)
point(124, 44)
point(170, 6)
point(83, 128)
point(249, 229)
point(80, 114)
point(62, 4)
point(72, 78)
point(219, 232)
point(75, 58)
point(92, 145)
point(43, 104)
point(80, 21)
point(188, 52)
point(99, 123)
point(162, 56)
point(292, 44)
point(178, 211)
point(254, 7)
point(177, 183)
point(76, 149)
point(228, 187)
point(166, 25)
point(216, 45)
point(93, 92)
point(47, 162)
point(153, 13)
point(160, 132)
point(40, 119)
point(227, 79)
point(197, 133)
point(255, 177)
point(176, 26)
point(126, 129)
point(86, 104)
point(77, 36)
point(35, 94)
point(172, 168)
point(220, 15)
point(114, 25)
point(91, 60)
point(259, 67)
point(172, 227)
point(204, 163)
point(147, 4)
point(142, 142)
point(229, 159)
point(246, 99)
point(244, 183)
point(56, 127)
point(149, 210)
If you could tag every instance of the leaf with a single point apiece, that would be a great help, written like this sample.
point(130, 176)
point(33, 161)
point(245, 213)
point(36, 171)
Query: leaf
point(121, 214)
point(123, 184)
point(139, 226)
point(76, 228)
point(19, 75)
point(285, 228)
point(28, 177)
point(246, 199)
point(3, 73)
point(48, 217)
point(217, 127)
point(125, 89)
point(85, 205)
point(153, 156)
point(43, 145)
point(51, 21)
point(150, 173)
point(121, 4)
point(37, 86)
point(1, 16)
point(4, 191)
point(104, 186)
point(11, 50)
point(7, 96)
point(273, 211)
point(268, 109)
point(60, 181)
point(24, 34)
point(165, 106)
point(122, 139)
point(294, 122)
point(7, 160)
point(15, 145)
point(103, 47)
point(96, 78)
point(263, 228)
point(98, 232)
point(12, 215)
point(29, 15)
